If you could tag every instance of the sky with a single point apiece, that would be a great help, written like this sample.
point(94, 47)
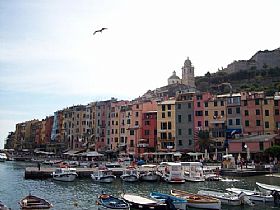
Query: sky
point(50, 59)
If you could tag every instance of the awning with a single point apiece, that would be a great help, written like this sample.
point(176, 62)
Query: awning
point(71, 152)
point(91, 154)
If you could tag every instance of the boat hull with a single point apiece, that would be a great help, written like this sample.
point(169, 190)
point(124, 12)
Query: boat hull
point(177, 202)
point(129, 178)
point(225, 198)
point(31, 202)
point(149, 178)
point(109, 202)
point(107, 179)
point(65, 177)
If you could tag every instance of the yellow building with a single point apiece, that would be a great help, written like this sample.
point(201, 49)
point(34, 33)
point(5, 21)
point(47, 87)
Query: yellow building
point(166, 126)
point(268, 115)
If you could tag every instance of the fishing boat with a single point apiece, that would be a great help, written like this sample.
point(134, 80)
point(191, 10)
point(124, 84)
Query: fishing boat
point(173, 172)
point(3, 157)
point(224, 197)
point(267, 188)
point(130, 174)
point(197, 201)
point(65, 174)
point(253, 195)
point(193, 171)
point(3, 206)
point(32, 202)
point(179, 203)
point(143, 203)
point(103, 175)
point(109, 202)
point(149, 173)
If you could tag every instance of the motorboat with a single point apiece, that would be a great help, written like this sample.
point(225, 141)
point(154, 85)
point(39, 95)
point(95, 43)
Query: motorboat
point(130, 174)
point(103, 175)
point(65, 174)
point(3, 157)
point(149, 173)
point(179, 203)
point(173, 172)
point(113, 165)
point(3, 206)
point(224, 197)
point(109, 202)
point(267, 188)
point(197, 201)
point(193, 171)
point(143, 203)
point(34, 203)
point(253, 195)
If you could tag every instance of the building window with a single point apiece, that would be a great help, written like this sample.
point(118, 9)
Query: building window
point(276, 103)
point(257, 101)
point(131, 143)
point(163, 126)
point(190, 131)
point(179, 132)
point(206, 104)
point(245, 103)
point(169, 136)
point(258, 123)
point(206, 113)
point(169, 126)
point(222, 113)
point(147, 122)
point(147, 132)
point(128, 121)
point(266, 124)
point(215, 103)
point(266, 112)
point(237, 110)
point(131, 132)
point(222, 103)
point(179, 118)
point(230, 121)
point(276, 111)
point(206, 123)
point(190, 142)
point(162, 115)
point(199, 124)
point(180, 143)
point(198, 104)
point(136, 114)
point(247, 123)
point(216, 113)
point(261, 146)
point(189, 105)
point(189, 117)
point(237, 121)
point(246, 113)
point(258, 112)
point(163, 107)
point(229, 111)
point(169, 106)
point(178, 106)
point(169, 114)
point(265, 101)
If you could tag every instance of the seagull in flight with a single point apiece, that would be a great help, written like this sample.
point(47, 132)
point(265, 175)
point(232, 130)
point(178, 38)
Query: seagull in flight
point(99, 30)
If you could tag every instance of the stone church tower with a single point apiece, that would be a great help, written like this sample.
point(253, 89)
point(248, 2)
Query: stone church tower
point(188, 73)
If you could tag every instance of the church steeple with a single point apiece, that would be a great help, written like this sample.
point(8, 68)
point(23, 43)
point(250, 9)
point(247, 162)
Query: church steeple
point(188, 73)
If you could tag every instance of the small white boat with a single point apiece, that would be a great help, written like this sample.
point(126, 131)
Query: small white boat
point(224, 197)
point(109, 202)
point(197, 201)
point(193, 171)
point(3, 157)
point(65, 174)
point(173, 172)
point(103, 175)
point(267, 188)
point(149, 173)
point(253, 195)
point(130, 174)
point(179, 203)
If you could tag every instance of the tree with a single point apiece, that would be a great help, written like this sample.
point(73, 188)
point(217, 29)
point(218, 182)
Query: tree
point(273, 151)
point(204, 140)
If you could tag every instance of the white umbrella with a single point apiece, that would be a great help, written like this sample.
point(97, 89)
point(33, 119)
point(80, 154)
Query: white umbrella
point(248, 153)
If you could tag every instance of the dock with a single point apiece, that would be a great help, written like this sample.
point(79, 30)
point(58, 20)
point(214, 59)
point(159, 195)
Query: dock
point(46, 172)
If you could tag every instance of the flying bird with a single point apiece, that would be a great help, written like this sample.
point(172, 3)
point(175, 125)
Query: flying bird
point(99, 30)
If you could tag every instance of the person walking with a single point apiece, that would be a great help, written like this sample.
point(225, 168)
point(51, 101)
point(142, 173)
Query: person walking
point(39, 166)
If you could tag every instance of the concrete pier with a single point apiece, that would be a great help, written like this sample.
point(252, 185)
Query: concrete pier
point(45, 173)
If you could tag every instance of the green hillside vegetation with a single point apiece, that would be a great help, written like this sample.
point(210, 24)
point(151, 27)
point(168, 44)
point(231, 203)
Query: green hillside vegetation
point(266, 79)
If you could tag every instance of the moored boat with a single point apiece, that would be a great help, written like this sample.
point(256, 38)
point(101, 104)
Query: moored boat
point(109, 202)
point(32, 202)
point(224, 197)
point(179, 203)
point(267, 188)
point(143, 203)
point(103, 175)
point(197, 201)
point(130, 174)
point(3, 206)
point(173, 172)
point(253, 195)
point(65, 174)
point(3, 157)
point(149, 173)
point(193, 171)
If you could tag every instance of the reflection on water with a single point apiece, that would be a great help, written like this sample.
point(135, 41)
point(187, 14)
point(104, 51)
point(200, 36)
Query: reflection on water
point(81, 194)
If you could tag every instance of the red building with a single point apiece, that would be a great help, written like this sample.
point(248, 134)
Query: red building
point(148, 142)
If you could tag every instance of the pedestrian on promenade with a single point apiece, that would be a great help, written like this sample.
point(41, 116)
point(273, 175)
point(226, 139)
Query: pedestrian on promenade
point(39, 166)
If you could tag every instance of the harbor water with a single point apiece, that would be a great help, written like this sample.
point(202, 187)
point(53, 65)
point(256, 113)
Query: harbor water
point(82, 193)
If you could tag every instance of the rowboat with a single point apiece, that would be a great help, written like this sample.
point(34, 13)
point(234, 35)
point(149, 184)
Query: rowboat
point(109, 202)
point(224, 197)
point(253, 195)
point(143, 203)
point(267, 188)
point(32, 202)
point(179, 203)
point(197, 201)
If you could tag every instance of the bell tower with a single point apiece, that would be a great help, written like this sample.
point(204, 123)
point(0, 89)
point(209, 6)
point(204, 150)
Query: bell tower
point(188, 73)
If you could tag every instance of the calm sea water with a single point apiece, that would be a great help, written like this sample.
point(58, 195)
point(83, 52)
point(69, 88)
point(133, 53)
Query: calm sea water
point(83, 192)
